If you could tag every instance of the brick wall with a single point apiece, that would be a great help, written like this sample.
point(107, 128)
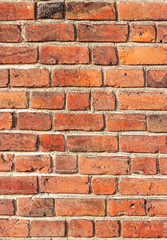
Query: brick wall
point(83, 123)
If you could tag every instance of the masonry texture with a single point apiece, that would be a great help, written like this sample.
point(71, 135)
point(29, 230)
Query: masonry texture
point(83, 121)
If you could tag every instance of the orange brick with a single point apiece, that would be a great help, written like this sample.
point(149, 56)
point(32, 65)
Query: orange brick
point(104, 55)
point(142, 100)
point(92, 143)
point(103, 101)
point(33, 77)
point(78, 121)
point(150, 229)
point(36, 32)
point(157, 207)
point(156, 78)
point(47, 228)
point(6, 162)
point(120, 78)
point(142, 11)
point(64, 184)
point(6, 207)
point(33, 163)
point(3, 77)
point(17, 55)
point(143, 186)
point(90, 10)
point(64, 55)
point(78, 101)
point(144, 165)
point(113, 165)
point(47, 100)
point(6, 120)
point(106, 229)
point(143, 143)
point(10, 33)
point(163, 165)
point(142, 33)
point(52, 142)
point(162, 33)
point(65, 163)
point(80, 207)
point(77, 78)
point(126, 207)
point(143, 55)
point(125, 122)
point(16, 10)
point(26, 121)
point(13, 99)
point(14, 228)
point(102, 32)
point(37, 207)
point(103, 185)
point(81, 228)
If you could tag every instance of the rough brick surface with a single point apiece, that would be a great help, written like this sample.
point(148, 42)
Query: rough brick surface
point(83, 119)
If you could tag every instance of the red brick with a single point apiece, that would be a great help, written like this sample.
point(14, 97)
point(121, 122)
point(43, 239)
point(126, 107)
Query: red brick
point(16, 10)
point(18, 142)
point(33, 77)
point(104, 55)
point(113, 165)
point(6, 120)
point(142, 100)
point(162, 33)
point(81, 228)
point(103, 101)
point(53, 10)
point(149, 229)
point(17, 55)
point(6, 207)
point(18, 185)
point(77, 78)
point(65, 163)
point(102, 32)
point(126, 122)
point(64, 55)
point(59, 184)
point(78, 121)
point(90, 10)
point(142, 33)
point(52, 142)
point(92, 143)
point(143, 186)
point(47, 228)
point(157, 207)
point(10, 33)
point(157, 123)
point(138, 55)
point(142, 11)
point(3, 77)
point(11, 99)
point(143, 143)
point(36, 32)
point(6, 162)
point(106, 229)
point(80, 207)
point(127, 78)
point(156, 78)
point(163, 165)
point(33, 163)
point(144, 165)
point(47, 100)
point(35, 207)
point(126, 207)
point(14, 228)
point(26, 121)
point(103, 185)
point(78, 101)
